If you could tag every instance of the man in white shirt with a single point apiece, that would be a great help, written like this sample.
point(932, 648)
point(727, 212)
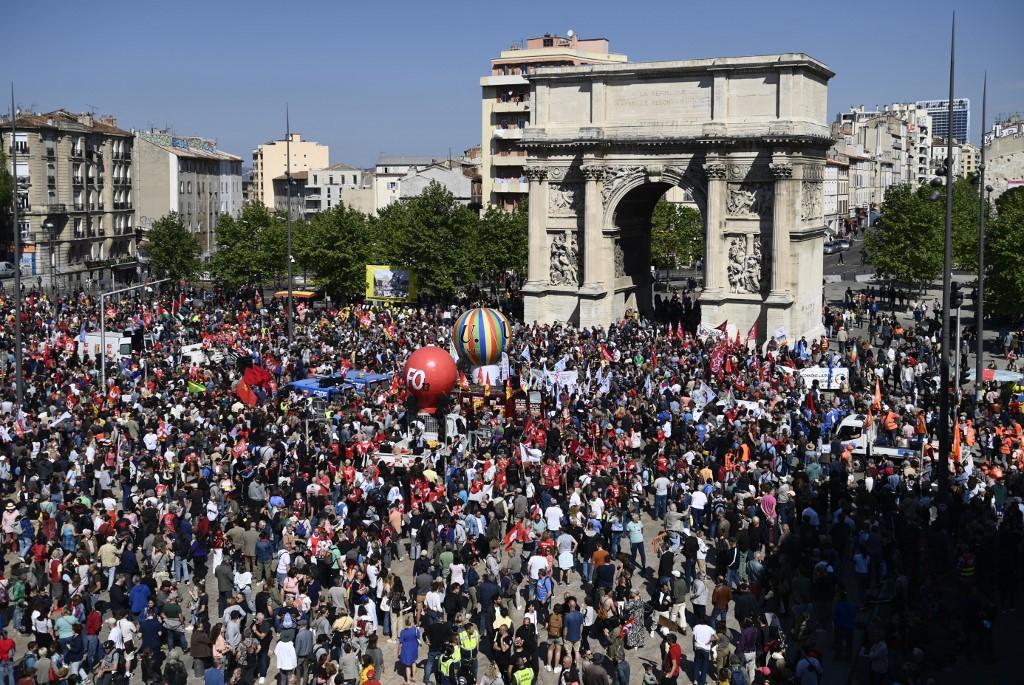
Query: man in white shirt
point(704, 638)
point(698, 500)
point(553, 515)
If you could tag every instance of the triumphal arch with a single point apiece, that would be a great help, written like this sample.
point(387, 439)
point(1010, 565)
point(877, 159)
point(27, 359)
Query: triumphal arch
point(746, 136)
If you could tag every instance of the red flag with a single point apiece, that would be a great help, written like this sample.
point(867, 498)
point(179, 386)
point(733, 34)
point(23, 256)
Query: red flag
point(256, 376)
point(175, 306)
point(605, 354)
point(679, 331)
point(723, 326)
point(752, 333)
point(246, 394)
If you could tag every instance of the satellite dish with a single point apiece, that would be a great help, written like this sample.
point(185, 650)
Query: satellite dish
point(570, 33)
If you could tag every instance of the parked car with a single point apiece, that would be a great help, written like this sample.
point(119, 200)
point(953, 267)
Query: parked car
point(7, 270)
point(836, 246)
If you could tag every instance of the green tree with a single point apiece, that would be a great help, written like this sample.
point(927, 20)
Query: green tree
point(677, 235)
point(908, 242)
point(336, 245)
point(1004, 277)
point(433, 234)
point(502, 241)
point(174, 252)
point(6, 195)
point(251, 250)
point(6, 182)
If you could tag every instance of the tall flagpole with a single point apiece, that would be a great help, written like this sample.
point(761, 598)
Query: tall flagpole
point(19, 376)
point(288, 177)
point(947, 265)
point(979, 316)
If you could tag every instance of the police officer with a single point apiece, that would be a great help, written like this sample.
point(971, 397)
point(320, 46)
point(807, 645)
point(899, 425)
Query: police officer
point(523, 674)
point(469, 645)
point(450, 662)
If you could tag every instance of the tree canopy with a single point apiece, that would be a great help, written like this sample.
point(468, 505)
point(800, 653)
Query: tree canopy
point(446, 243)
point(336, 245)
point(677, 235)
point(174, 252)
point(433, 234)
point(907, 243)
point(1004, 238)
point(252, 249)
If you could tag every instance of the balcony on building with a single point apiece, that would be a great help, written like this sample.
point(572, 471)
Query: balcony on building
point(52, 209)
point(508, 158)
point(18, 147)
point(508, 133)
point(51, 152)
point(510, 185)
point(513, 105)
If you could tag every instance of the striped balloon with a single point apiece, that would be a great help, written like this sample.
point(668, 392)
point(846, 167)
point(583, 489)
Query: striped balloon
point(480, 336)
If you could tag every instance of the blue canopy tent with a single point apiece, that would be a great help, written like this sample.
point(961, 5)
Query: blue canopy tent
point(338, 383)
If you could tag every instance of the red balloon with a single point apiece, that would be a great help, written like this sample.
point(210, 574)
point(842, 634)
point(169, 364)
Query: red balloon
point(430, 373)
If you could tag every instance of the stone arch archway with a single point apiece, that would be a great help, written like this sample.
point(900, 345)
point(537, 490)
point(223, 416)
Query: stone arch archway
point(746, 136)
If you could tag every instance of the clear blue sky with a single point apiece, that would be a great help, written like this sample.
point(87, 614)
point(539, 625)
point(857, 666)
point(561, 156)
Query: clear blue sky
point(402, 76)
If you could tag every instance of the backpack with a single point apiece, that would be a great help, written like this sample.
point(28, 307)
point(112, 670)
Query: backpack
point(738, 677)
point(472, 577)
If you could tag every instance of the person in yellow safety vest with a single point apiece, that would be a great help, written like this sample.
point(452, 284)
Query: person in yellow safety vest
point(469, 645)
point(450, 660)
point(523, 674)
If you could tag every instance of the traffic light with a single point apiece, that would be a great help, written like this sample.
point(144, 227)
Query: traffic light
point(956, 295)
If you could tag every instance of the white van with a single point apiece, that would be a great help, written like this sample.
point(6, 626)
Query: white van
point(851, 431)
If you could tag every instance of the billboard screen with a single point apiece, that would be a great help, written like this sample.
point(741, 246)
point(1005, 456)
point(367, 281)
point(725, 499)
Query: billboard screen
point(390, 283)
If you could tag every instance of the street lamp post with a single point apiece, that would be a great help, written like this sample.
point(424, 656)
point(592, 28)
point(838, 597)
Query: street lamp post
point(979, 302)
point(947, 265)
point(19, 378)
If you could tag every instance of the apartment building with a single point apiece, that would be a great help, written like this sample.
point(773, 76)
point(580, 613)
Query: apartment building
point(1004, 155)
point(76, 213)
point(905, 144)
point(189, 176)
point(269, 162)
point(942, 126)
point(324, 187)
point(389, 172)
point(836, 189)
point(506, 107)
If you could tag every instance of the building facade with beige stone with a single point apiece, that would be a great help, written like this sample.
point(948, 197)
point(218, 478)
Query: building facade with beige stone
point(75, 198)
point(270, 160)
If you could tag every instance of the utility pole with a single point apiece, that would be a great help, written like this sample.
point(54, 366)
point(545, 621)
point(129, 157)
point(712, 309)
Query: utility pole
point(947, 265)
point(288, 177)
point(18, 375)
point(979, 302)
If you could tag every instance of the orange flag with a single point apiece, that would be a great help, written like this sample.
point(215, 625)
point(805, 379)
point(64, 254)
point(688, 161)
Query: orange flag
point(956, 440)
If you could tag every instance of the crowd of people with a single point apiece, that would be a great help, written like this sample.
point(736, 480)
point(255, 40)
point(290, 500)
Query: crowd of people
point(685, 495)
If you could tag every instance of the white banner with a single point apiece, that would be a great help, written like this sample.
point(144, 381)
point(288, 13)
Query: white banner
point(552, 380)
point(827, 380)
point(488, 375)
